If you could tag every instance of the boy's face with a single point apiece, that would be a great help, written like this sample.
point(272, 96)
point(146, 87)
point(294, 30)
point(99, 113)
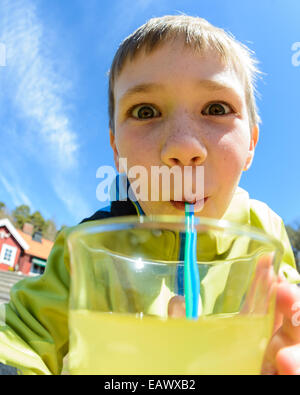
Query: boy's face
point(196, 115)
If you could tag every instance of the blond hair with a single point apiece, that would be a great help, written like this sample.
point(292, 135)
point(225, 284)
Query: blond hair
point(198, 34)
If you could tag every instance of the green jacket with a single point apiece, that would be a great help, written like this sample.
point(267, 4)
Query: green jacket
point(34, 324)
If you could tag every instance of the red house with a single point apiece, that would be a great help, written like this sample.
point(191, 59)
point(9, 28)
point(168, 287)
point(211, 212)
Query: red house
point(23, 251)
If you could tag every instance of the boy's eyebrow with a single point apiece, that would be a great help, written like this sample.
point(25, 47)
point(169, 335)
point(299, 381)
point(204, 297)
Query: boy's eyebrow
point(209, 85)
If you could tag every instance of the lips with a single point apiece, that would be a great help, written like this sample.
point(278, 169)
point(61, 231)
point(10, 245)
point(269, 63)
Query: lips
point(198, 204)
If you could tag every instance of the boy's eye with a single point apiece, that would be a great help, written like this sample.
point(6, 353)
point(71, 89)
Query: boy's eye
point(144, 112)
point(217, 109)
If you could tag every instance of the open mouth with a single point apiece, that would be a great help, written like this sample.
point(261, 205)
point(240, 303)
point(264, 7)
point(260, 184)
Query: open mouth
point(198, 204)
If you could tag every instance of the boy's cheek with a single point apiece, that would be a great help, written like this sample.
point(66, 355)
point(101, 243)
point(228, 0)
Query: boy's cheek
point(136, 151)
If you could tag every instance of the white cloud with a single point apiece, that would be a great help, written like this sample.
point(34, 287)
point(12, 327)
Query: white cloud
point(36, 88)
point(16, 193)
point(70, 197)
point(38, 96)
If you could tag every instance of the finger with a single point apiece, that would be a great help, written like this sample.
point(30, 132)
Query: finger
point(176, 307)
point(279, 341)
point(288, 333)
point(288, 300)
point(288, 304)
point(288, 360)
point(278, 319)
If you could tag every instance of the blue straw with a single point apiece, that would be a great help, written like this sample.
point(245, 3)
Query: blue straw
point(191, 272)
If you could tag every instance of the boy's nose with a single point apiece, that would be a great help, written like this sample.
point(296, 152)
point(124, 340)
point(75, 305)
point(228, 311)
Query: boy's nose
point(183, 151)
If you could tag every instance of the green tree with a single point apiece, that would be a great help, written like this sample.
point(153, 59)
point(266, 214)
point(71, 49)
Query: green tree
point(38, 222)
point(50, 230)
point(5, 213)
point(294, 236)
point(21, 215)
point(2, 210)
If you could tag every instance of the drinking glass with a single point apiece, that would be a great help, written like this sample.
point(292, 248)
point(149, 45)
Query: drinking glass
point(127, 276)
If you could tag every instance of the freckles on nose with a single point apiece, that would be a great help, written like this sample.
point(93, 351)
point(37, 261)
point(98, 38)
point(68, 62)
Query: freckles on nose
point(187, 151)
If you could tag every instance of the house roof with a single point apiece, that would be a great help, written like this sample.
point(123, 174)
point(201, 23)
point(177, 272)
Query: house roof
point(14, 232)
point(36, 249)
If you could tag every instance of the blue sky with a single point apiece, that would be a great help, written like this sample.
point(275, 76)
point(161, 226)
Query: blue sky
point(53, 96)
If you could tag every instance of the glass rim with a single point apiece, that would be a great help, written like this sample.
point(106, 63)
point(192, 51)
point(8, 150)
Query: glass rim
point(128, 222)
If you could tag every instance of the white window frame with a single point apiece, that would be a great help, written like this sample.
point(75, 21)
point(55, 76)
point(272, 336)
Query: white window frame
point(10, 262)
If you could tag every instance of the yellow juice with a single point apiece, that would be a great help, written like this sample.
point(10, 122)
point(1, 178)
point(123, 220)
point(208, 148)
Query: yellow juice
point(112, 343)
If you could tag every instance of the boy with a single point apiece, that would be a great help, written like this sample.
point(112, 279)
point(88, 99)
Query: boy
point(181, 93)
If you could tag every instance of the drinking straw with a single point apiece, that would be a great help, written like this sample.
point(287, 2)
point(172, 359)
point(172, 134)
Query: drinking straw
point(191, 272)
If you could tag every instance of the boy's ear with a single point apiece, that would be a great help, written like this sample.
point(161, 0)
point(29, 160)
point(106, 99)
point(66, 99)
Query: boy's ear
point(253, 142)
point(113, 146)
